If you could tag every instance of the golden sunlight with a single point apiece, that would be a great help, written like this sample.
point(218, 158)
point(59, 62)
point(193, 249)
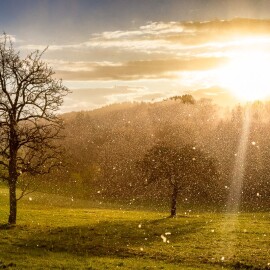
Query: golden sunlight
point(247, 76)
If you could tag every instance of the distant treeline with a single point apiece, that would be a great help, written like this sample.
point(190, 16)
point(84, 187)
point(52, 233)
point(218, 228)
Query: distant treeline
point(104, 147)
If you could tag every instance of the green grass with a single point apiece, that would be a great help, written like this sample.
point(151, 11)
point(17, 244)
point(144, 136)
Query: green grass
point(56, 232)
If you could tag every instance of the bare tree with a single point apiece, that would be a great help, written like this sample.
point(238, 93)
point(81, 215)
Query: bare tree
point(29, 126)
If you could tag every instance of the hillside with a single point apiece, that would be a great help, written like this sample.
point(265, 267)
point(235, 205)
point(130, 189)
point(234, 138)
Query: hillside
point(104, 148)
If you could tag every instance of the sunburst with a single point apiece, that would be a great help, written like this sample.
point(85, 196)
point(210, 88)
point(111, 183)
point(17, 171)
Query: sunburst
point(247, 75)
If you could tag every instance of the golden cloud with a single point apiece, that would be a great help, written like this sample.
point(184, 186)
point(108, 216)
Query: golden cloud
point(168, 38)
point(158, 49)
point(142, 69)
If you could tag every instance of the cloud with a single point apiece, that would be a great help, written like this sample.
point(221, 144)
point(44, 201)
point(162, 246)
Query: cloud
point(150, 69)
point(150, 97)
point(91, 98)
point(11, 38)
point(79, 65)
point(169, 38)
point(180, 53)
point(219, 95)
point(157, 49)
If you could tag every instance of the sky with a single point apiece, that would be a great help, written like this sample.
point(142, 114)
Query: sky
point(111, 51)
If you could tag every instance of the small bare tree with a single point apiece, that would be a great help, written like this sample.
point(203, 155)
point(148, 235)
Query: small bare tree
point(29, 126)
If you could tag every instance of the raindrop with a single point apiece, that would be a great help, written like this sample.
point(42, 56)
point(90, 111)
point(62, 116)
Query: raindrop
point(164, 239)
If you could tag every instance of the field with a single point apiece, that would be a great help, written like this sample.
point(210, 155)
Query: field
point(55, 232)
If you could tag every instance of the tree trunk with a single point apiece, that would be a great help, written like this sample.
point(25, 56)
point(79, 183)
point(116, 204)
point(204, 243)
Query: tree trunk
point(12, 170)
point(174, 201)
point(12, 203)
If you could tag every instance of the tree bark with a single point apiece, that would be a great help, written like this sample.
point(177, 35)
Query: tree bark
point(12, 203)
point(174, 201)
point(13, 176)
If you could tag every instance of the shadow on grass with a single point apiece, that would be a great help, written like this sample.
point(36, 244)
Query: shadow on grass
point(6, 226)
point(162, 220)
point(110, 238)
point(237, 265)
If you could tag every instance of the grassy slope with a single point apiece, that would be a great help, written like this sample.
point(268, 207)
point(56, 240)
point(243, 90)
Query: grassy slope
point(57, 233)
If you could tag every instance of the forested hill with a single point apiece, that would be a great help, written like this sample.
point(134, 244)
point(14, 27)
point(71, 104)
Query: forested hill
point(105, 146)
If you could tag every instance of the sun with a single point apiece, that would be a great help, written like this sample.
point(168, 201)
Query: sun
point(247, 76)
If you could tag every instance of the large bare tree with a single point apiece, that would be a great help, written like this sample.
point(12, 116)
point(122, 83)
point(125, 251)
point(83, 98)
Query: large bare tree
point(30, 97)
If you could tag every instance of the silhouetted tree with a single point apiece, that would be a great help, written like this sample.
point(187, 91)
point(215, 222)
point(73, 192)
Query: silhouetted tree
point(187, 167)
point(186, 99)
point(189, 99)
point(29, 126)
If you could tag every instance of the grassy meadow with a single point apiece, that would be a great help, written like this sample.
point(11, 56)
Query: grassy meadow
point(55, 232)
